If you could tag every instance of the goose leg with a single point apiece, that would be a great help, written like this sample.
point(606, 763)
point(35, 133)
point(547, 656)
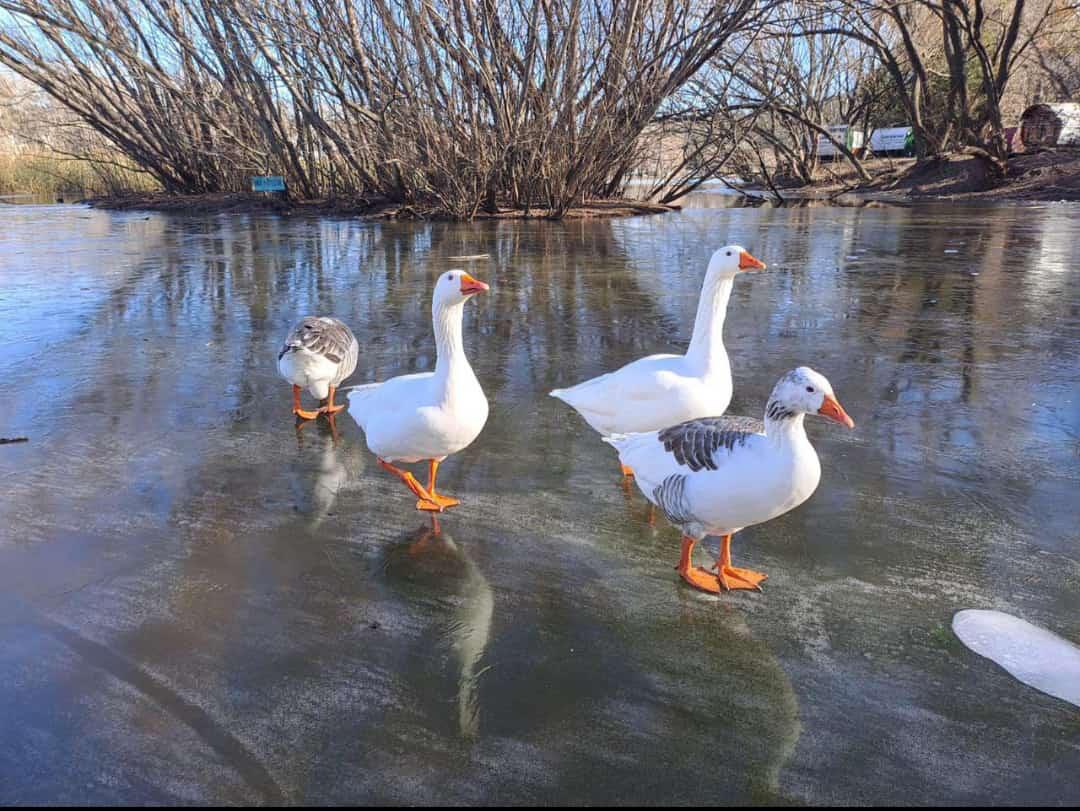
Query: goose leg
point(627, 472)
point(699, 578)
point(442, 501)
point(330, 408)
point(297, 410)
point(731, 577)
point(417, 489)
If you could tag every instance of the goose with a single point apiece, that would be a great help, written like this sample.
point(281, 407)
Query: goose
point(427, 416)
point(717, 475)
point(319, 353)
point(661, 390)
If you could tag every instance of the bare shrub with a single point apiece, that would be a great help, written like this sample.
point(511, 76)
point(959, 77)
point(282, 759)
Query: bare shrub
point(456, 106)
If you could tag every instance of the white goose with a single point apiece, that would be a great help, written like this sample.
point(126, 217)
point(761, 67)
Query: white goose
point(717, 475)
point(318, 354)
point(661, 390)
point(431, 415)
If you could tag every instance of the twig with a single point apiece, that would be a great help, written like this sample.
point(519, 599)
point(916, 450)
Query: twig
point(768, 179)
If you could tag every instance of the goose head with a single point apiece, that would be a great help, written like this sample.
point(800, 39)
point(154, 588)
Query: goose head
point(804, 391)
point(455, 287)
point(731, 260)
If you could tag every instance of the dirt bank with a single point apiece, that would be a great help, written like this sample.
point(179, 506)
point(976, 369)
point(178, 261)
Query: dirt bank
point(234, 202)
point(1050, 175)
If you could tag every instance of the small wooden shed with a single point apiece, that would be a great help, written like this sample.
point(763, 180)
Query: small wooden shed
point(1050, 125)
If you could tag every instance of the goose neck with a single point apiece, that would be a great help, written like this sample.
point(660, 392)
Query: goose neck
point(449, 345)
point(707, 341)
point(784, 427)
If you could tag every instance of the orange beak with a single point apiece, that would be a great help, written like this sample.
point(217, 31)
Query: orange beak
point(469, 285)
point(747, 262)
point(832, 409)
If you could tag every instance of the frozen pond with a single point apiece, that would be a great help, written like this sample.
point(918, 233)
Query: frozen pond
point(199, 605)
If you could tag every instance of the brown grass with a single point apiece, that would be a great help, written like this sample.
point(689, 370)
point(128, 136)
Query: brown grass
point(42, 173)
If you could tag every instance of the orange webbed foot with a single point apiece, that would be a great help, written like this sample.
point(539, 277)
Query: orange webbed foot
point(701, 579)
point(431, 501)
point(733, 578)
point(297, 410)
point(331, 410)
point(434, 502)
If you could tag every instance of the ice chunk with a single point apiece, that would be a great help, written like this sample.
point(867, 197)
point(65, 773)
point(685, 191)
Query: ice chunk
point(1033, 655)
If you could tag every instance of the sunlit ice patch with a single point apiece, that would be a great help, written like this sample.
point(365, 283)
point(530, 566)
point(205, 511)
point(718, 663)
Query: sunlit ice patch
point(1030, 654)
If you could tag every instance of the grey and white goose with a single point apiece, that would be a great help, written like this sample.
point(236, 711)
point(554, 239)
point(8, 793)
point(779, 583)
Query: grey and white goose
point(318, 355)
point(717, 475)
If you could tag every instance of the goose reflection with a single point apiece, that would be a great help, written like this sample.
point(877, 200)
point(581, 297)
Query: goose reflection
point(431, 559)
point(326, 467)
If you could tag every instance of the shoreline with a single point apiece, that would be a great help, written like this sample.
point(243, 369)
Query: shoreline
point(254, 202)
point(1045, 175)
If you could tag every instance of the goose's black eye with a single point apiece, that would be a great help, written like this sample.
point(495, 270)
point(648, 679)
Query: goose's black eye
point(450, 277)
point(729, 253)
point(810, 389)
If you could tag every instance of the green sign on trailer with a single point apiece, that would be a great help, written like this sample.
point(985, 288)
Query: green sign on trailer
point(268, 183)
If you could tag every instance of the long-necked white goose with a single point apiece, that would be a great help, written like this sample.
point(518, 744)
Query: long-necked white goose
point(430, 415)
point(318, 355)
point(717, 475)
point(661, 390)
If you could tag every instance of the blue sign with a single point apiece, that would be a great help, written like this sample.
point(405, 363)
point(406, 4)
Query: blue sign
point(268, 183)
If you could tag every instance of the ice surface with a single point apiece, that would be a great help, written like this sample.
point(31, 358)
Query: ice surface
point(1033, 655)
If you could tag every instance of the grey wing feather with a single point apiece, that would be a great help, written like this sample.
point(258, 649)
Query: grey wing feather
point(670, 497)
point(694, 443)
point(328, 337)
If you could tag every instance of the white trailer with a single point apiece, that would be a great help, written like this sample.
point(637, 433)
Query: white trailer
point(892, 141)
point(846, 134)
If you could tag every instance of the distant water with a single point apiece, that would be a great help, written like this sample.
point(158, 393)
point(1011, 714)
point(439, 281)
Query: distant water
point(1033, 655)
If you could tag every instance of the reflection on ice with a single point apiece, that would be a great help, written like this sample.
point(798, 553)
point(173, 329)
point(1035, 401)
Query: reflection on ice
point(317, 485)
point(328, 481)
point(468, 631)
point(1033, 655)
point(462, 597)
